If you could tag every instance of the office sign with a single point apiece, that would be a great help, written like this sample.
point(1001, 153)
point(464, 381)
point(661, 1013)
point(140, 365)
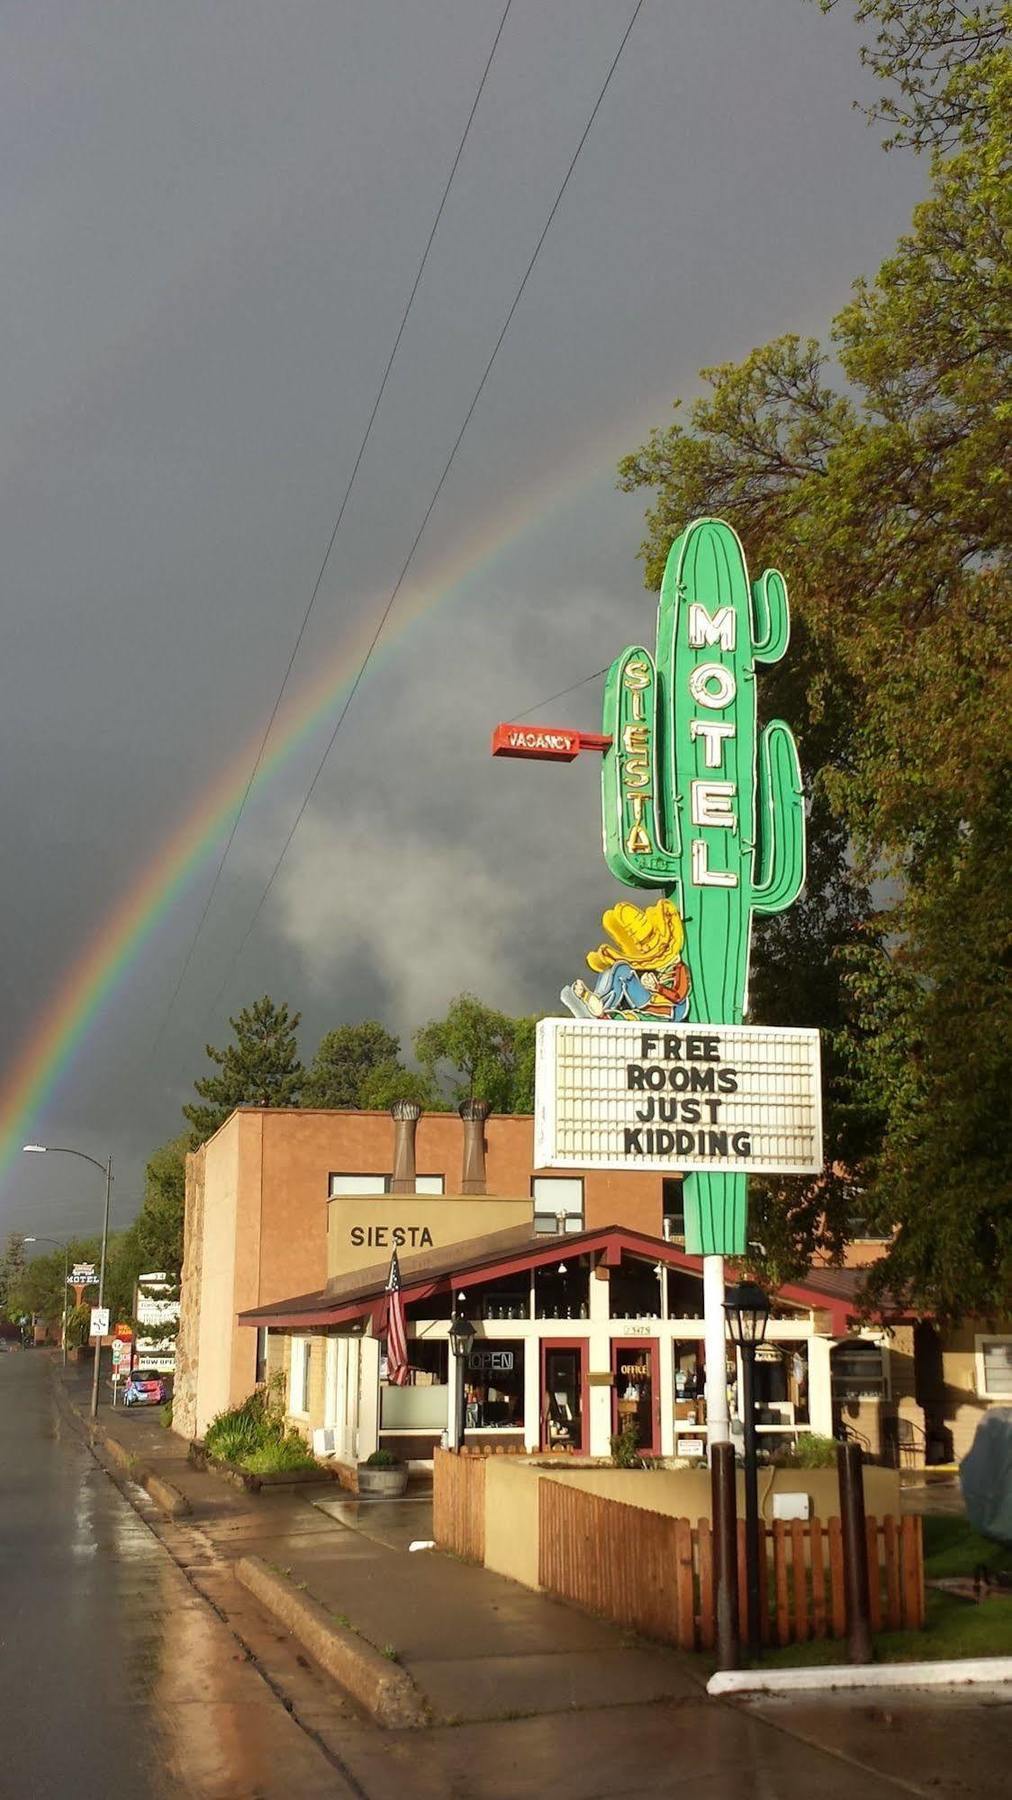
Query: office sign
point(718, 1098)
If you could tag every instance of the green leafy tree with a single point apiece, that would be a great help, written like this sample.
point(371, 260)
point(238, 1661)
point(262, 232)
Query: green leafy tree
point(159, 1224)
point(12, 1268)
point(37, 1291)
point(927, 55)
point(390, 1081)
point(478, 1053)
point(345, 1061)
point(261, 1068)
point(888, 507)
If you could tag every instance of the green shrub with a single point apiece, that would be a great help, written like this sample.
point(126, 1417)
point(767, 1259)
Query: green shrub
point(382, 1459)
point(243, 1430)
point(277, 1455)
point(77, 1327)
point(625, 1446)
point(810, 1452)
point(166, 1414)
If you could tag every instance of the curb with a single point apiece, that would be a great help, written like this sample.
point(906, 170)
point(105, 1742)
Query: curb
point(173, 1504)
point(384, 1690)
point(989, 1671)
point(166, 1497)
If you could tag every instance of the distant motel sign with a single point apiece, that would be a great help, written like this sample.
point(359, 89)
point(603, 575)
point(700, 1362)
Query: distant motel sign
point(740, 1098)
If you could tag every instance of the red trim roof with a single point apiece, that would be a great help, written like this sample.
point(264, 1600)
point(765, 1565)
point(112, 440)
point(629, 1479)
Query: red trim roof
point(475, 1261)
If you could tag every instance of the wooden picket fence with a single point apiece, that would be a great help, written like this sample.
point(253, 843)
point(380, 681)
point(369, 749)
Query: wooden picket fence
point(458, 1504)
point(655, 1573)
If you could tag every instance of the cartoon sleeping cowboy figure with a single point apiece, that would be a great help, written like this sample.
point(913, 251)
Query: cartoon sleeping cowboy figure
point(644, 977)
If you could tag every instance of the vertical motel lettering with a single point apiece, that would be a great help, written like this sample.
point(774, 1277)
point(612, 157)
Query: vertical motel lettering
point(712, 801)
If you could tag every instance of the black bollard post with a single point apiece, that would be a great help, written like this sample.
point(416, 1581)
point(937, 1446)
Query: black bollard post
point(724, 1514)
point(849, 1465)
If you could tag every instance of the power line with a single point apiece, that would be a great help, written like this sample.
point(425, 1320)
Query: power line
point(561, 693)
point(385, 614)
point(330, 544)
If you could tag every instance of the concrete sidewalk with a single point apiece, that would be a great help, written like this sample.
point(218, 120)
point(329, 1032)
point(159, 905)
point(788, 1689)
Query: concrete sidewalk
point(530, 1697)
point(476, 1645)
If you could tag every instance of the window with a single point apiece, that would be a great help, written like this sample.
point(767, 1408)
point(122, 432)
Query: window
point(360, 1185)
point(558, 1203)
point(422, 1404)
point(859, 1231)
point(674, 1207)
point(858, 1369)
point(994, 1367)
point(261, 1363)
point(494, 1387)
point(299, 1379)
point(858, 1228)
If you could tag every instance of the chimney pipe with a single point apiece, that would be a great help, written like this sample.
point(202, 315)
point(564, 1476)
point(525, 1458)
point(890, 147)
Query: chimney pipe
point(474, 1113)
point(405, 1115)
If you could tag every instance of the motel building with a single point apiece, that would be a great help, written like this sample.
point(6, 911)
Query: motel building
point(586, 1308)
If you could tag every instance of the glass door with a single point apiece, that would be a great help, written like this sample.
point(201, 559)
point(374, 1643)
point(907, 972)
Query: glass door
point(563, 1410)
point(636, 1400)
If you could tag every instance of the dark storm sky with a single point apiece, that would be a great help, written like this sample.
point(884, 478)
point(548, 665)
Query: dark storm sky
point(212, 217)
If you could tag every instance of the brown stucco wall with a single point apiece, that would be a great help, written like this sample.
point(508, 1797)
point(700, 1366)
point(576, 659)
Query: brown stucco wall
point(511, 1500)
point(363, 1232)
point(301, 1149)
point(685, 1493)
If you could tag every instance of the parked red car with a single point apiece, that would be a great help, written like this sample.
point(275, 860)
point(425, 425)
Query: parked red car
point(145, 1388)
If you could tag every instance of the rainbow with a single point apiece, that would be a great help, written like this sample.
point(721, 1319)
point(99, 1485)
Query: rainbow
point(90, 984)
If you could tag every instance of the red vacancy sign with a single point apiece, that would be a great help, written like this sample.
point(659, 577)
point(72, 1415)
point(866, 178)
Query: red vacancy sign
point(546, 743)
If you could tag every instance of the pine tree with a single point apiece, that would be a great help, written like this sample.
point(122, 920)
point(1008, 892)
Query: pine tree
point(261, 1068)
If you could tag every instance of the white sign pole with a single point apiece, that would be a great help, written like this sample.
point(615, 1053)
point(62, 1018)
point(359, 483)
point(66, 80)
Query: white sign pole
point(718, 1425)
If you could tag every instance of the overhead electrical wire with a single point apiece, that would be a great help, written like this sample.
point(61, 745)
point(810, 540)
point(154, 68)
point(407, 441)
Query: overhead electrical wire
point(297, 645)
point(571, 689)
point(387, 609)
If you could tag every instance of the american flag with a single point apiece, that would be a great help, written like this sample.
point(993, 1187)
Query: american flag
point(398, 1369)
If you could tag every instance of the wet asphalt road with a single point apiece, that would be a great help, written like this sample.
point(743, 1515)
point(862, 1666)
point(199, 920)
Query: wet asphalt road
point(117, 1681)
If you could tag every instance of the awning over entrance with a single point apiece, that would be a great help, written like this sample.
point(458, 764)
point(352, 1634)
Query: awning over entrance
point(361, 1297)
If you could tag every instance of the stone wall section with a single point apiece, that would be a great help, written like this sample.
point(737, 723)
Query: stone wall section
point(184, 1402)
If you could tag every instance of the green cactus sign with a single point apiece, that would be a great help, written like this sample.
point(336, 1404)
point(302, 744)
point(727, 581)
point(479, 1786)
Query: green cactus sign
point(695, 799)
point(700, 803)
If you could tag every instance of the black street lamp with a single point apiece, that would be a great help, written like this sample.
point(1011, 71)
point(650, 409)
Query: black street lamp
point(462, 1335)
point(748, 1310)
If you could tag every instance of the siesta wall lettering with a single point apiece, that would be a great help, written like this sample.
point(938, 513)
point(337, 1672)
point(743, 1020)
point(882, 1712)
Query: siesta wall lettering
point(391, 1237)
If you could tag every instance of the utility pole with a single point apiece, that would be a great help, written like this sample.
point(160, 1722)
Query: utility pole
point(101, 1288)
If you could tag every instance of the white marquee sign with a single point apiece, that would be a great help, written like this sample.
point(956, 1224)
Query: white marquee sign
point(677, 1097)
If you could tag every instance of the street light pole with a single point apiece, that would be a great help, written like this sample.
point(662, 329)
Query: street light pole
point(106, 1168)
point(748, 1310)
point(751, 1495)
point(462, 1335)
